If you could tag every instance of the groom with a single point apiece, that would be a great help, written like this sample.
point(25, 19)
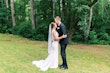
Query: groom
point(61, 29)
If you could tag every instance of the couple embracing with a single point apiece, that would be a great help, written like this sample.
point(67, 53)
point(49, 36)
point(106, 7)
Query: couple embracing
point(57, 34)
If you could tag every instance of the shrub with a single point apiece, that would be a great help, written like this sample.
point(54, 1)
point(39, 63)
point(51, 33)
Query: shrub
point(41, 32)
point(3, 28)
point(102, 42)
point(93, 35)
point(77, 37)
point(40, 37)
point(100, 38)
point(15, 30)
point(25, 30)
point(93, 38)
point(104, 36)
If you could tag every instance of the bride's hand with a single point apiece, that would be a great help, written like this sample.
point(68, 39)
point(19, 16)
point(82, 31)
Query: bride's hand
point(64, 36)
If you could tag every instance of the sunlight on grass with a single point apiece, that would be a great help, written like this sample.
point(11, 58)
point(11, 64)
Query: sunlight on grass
point(17, 53)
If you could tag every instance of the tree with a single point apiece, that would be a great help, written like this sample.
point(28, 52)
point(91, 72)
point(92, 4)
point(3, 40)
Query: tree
point(53, 8)
point(7, 6)
point(32, 14)
point(61, 9)
point(93, 3)
point(81, 17)
point(12, 12)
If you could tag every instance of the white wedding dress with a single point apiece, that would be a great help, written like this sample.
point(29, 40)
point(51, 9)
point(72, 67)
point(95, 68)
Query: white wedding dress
point(52, 59)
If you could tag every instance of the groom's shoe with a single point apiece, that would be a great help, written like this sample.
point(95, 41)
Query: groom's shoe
point(64, 68)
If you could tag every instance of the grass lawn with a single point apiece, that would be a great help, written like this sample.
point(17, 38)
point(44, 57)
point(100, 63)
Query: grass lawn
point(17, 54)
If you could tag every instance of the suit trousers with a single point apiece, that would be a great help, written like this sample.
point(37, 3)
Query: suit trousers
point(63, 54)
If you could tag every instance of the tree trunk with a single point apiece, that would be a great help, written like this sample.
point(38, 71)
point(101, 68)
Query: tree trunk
point(90, 18)
point(32, 13)
point(61, 8)
point(36, 19)
point(90, 21)
point(64, 12)
point(12, 12)
point(53, 9)
point(85, 28)
point(59, 11)
point(7, 6)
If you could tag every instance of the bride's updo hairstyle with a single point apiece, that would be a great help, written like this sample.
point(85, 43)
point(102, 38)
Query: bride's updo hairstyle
point(52, 25)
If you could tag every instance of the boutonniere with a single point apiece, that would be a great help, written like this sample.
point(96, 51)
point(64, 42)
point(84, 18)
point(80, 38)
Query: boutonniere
point(58, 28)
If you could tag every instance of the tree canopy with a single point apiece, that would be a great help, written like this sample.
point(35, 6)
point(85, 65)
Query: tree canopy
point(86, 21)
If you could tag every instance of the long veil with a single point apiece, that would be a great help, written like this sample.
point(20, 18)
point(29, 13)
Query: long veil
point(50, 39)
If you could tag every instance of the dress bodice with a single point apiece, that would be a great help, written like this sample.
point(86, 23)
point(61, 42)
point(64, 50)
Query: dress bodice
point(56, 35)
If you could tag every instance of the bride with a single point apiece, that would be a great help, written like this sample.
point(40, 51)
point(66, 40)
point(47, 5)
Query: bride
point(52, 59)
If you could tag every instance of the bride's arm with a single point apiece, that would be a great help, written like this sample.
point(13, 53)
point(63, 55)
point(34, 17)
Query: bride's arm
point(56, 38)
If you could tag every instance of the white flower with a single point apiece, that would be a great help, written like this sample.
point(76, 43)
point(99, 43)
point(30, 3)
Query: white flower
point(58, 27)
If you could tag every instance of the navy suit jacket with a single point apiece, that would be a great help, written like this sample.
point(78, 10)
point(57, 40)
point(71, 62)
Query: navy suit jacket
point(62, 30)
